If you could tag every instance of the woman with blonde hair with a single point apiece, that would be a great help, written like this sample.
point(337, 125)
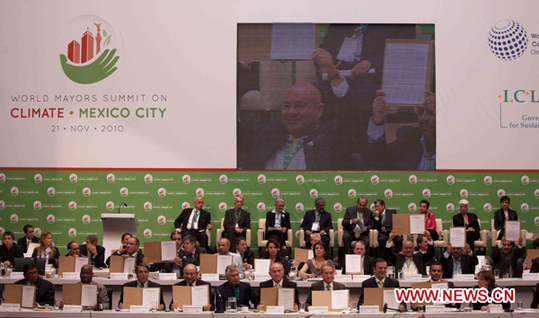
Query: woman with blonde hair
point(46, 249)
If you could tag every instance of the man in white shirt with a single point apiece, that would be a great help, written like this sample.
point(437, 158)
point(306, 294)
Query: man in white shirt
point(328, 274)
point(194, 221)
point(223, 247)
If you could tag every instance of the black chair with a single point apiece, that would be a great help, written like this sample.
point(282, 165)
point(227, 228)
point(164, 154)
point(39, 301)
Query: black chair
point(19, 262)
point(109, 293)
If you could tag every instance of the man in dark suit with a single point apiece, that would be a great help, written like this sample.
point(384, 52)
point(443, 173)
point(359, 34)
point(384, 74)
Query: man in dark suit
point(276, 272)
point(131, 250)
point(278, 222)
point(142, 282)
point(317, 221)
point(367, 261)
point(195, 221)
point(469, 220)
point(96, 253)
point(436, 273)
point(383, 222)
point(175, 266)
point(356, 224)
point(9, 250)
point(190, 253)
point(378, 281)
point(535, 301)
point(28, 238)
point(408, 262)
point(247, 256)
point(234, 288)
point(191, 279)
point(237, 221)
point(502, 215)
point(458, 261)
point(328, 274)
point(425, 246)
point(508, 259)
point(44, 288)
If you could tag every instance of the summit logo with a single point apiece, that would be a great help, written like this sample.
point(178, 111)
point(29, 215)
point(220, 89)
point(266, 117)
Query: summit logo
point(88, 49)
point(508, 40)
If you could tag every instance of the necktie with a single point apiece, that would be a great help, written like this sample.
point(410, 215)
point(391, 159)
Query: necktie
point(380, 284)
point(328, 287)
point(409, 265)
point(194, 219)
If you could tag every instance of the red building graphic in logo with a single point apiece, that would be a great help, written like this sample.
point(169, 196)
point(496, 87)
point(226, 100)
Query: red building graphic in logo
point(83, 52)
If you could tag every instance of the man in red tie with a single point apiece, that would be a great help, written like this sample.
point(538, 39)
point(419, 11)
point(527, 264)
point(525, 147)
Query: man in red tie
point(469, 220)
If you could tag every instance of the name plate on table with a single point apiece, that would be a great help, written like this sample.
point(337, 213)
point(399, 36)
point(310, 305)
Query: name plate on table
point(17, 275)
point(495, 308)
point(72, 308)
point(530, 276)
point(210, 277)
point(262, 276)
point(369, 309)
point(70, 275)
point(465, 277)
point(434, 309)
point(143, 309)
point(167, 276)
point(275, 310)
point(11, 307)
point(413, 277)
point(120, 276)
point(318, 309)
point(360, 278)
point(343, 278)
point(192, 309)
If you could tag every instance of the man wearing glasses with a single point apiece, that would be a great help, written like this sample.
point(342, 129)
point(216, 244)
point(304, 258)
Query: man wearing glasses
point(44, 288)
point(174, 266)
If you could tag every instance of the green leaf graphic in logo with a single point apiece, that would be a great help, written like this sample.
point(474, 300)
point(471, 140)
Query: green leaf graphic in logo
point(100, 69)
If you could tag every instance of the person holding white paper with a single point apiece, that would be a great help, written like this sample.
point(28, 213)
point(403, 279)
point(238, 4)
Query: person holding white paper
point(408, 262)
point(28, 238)
point(508, 259)
point(131, 250)
point(317, 221)
point(383, 222)
point(327, 283)
point(86, 277)
point(378, 281)
point(142, 282)
point(168, 267)
point(469, 220)
point(504, 214)
point(430, 220)
point(367, 262)
point(191, 279)
point(276, 271)
point(274, 253)
point(223, 247)
point(44, 288)
point(356, 224)
point(457, 261)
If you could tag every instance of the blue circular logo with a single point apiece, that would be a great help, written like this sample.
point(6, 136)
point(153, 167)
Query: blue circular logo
point(508, 40)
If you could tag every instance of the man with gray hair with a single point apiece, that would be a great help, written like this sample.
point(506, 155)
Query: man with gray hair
point(357, 222)
point(327, 271)
point(237, 220)
point(317, 221)
point(469, 220)
point(278, 222)
point(234, 288)
point(96, 253)
point(223, 247)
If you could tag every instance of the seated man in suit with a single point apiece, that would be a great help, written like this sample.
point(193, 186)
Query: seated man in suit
point(508, 259)
point(535, 261)
point(28, 238)
point(247, 256)
point(131, 250)
point(237, 220)
point(278, 222)
point(123, 246)
point(195, 221)
point(86, 277)
point(357, 223)
point(73, 249)
point(383, 222)
point(234, 288)
point(175, 266)
point(379, 280)
point(96, 253)
point(276, 272)
point(425, 246)
point(9, 250)
point(44, 288)
point(469, 220)
point(458, 261)
point(367, 262)
point(535, 301)
point(317, 221)
point(408, 262)
point(436, 273)
point(190, 252)
point(191, 279)
point(223, 248)
point(142, 282)
point(328, 274)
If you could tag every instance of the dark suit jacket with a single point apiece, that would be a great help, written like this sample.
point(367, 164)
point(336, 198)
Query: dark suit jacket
point(535, 301)
point(134, 284)
point(187, 258)
point(283, 251)
point(407, 150)
point(368, 262)
point(199, 282)
point(516, 260)
point(371, 283)
point(183, 220)
point(499, 219)
point(467, 264)
point(248, 257)
point(138, 259)
point(15, 251)
point(22, 242)
point(53, 261)
point(246, 294)
point(535, 265)
point(325, 221)
point(286, 284)
point(351, 213)
point(44, 291)
point(320, 286)
point(458, 220)
point(285, 220)
point(98, 258)
point(230, 220)
point(388, 222)
point(399, 260)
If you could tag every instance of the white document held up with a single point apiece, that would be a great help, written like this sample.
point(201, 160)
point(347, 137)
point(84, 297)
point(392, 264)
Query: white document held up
point(293, 41)
point(457, 236)
point(129, 265)
point(389, 299)
point(80, 262)
point(353, 263)
point(286, 298)
point(27, 300)
point(168, 250)
point(339, 299)
point(440, 286)
point(222, 262)
point(150, 296)
point(88, 295)
point(512, 230)
point(262, 266)
point(417, 224)
point(31, 248)
point(199, 295)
